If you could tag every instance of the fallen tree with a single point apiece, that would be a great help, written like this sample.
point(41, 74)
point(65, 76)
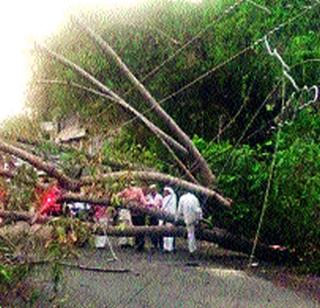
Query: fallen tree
point(40, 164)
point(201, 164)
point(74, 185)
point(216, 235)
point(106, 93)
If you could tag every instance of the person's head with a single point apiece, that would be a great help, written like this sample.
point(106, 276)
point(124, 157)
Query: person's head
point(153, 189)
point(167, 191)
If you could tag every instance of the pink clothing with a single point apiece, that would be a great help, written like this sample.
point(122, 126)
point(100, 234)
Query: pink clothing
point(134, 194)
point(100, 211)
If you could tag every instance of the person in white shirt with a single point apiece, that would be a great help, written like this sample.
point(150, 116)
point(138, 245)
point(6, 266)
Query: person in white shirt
point(169, 206)
point(189, 209)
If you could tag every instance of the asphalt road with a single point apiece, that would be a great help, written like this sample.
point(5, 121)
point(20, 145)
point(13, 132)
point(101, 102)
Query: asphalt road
point(162, 280)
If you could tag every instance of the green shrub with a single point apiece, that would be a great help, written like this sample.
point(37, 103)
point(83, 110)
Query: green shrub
point(292, 217)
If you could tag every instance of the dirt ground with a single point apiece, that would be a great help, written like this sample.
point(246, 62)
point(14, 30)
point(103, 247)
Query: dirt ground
point(166, 280)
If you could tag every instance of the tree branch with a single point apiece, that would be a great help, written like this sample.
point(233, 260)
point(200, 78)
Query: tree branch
point(74, 185)
point(80, 71)
point(162, 178)
point(40, 164)
point(204, 169)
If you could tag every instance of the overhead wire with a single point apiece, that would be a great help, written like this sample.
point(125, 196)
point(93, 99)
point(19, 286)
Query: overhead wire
point(188, 43)
point(235, 56)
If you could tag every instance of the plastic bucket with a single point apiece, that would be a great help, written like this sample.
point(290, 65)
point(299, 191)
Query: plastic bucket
point(100, 241)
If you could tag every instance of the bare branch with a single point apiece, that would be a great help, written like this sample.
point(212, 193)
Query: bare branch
point(204, 169)
point(159, 177)
point(157, 131)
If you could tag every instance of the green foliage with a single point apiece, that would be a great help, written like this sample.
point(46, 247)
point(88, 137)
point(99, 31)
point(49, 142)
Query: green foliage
point(67, 234)
point(145, 37)
point(292, 215)
point(11, 272)
point(125, 149)
point(20, 190)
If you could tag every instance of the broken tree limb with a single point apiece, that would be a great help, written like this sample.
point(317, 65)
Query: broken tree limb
point(77, 266)
point(96, 269)
point(40, 164)
point(21, 216)
point(162, 178)
point(84, 74)
point(207, 175)
point(74, 185)
point(219, 236)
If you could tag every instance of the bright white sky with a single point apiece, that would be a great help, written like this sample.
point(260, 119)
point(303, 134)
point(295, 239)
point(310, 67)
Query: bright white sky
point(22, 21)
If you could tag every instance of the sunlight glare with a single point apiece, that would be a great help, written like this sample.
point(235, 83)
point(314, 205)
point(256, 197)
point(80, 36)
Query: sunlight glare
point(21, 22)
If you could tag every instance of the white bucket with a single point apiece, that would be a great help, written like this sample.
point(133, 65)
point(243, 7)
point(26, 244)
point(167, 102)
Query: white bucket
point(100, 241)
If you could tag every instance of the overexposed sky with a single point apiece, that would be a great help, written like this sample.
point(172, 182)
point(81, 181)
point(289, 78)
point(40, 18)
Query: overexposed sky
point(20, 23)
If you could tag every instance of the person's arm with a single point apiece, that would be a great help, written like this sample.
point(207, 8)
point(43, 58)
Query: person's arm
point(179, 211)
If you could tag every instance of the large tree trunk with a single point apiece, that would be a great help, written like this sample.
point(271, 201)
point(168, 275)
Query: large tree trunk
point(162, 178)
point(80, 71)
point(38, 163)
point(205, 171)
point(74, 185)
point(219, 236)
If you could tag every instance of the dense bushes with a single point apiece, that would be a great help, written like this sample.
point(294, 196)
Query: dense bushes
point(293, 210)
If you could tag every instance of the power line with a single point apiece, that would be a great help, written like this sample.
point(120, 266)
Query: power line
point(241, 52)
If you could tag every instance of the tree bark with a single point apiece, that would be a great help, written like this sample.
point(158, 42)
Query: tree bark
point(219, 236)
point(74, 185)
point(162, 178)
point(38, 163)
point(80, 71)
point(205, 171)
